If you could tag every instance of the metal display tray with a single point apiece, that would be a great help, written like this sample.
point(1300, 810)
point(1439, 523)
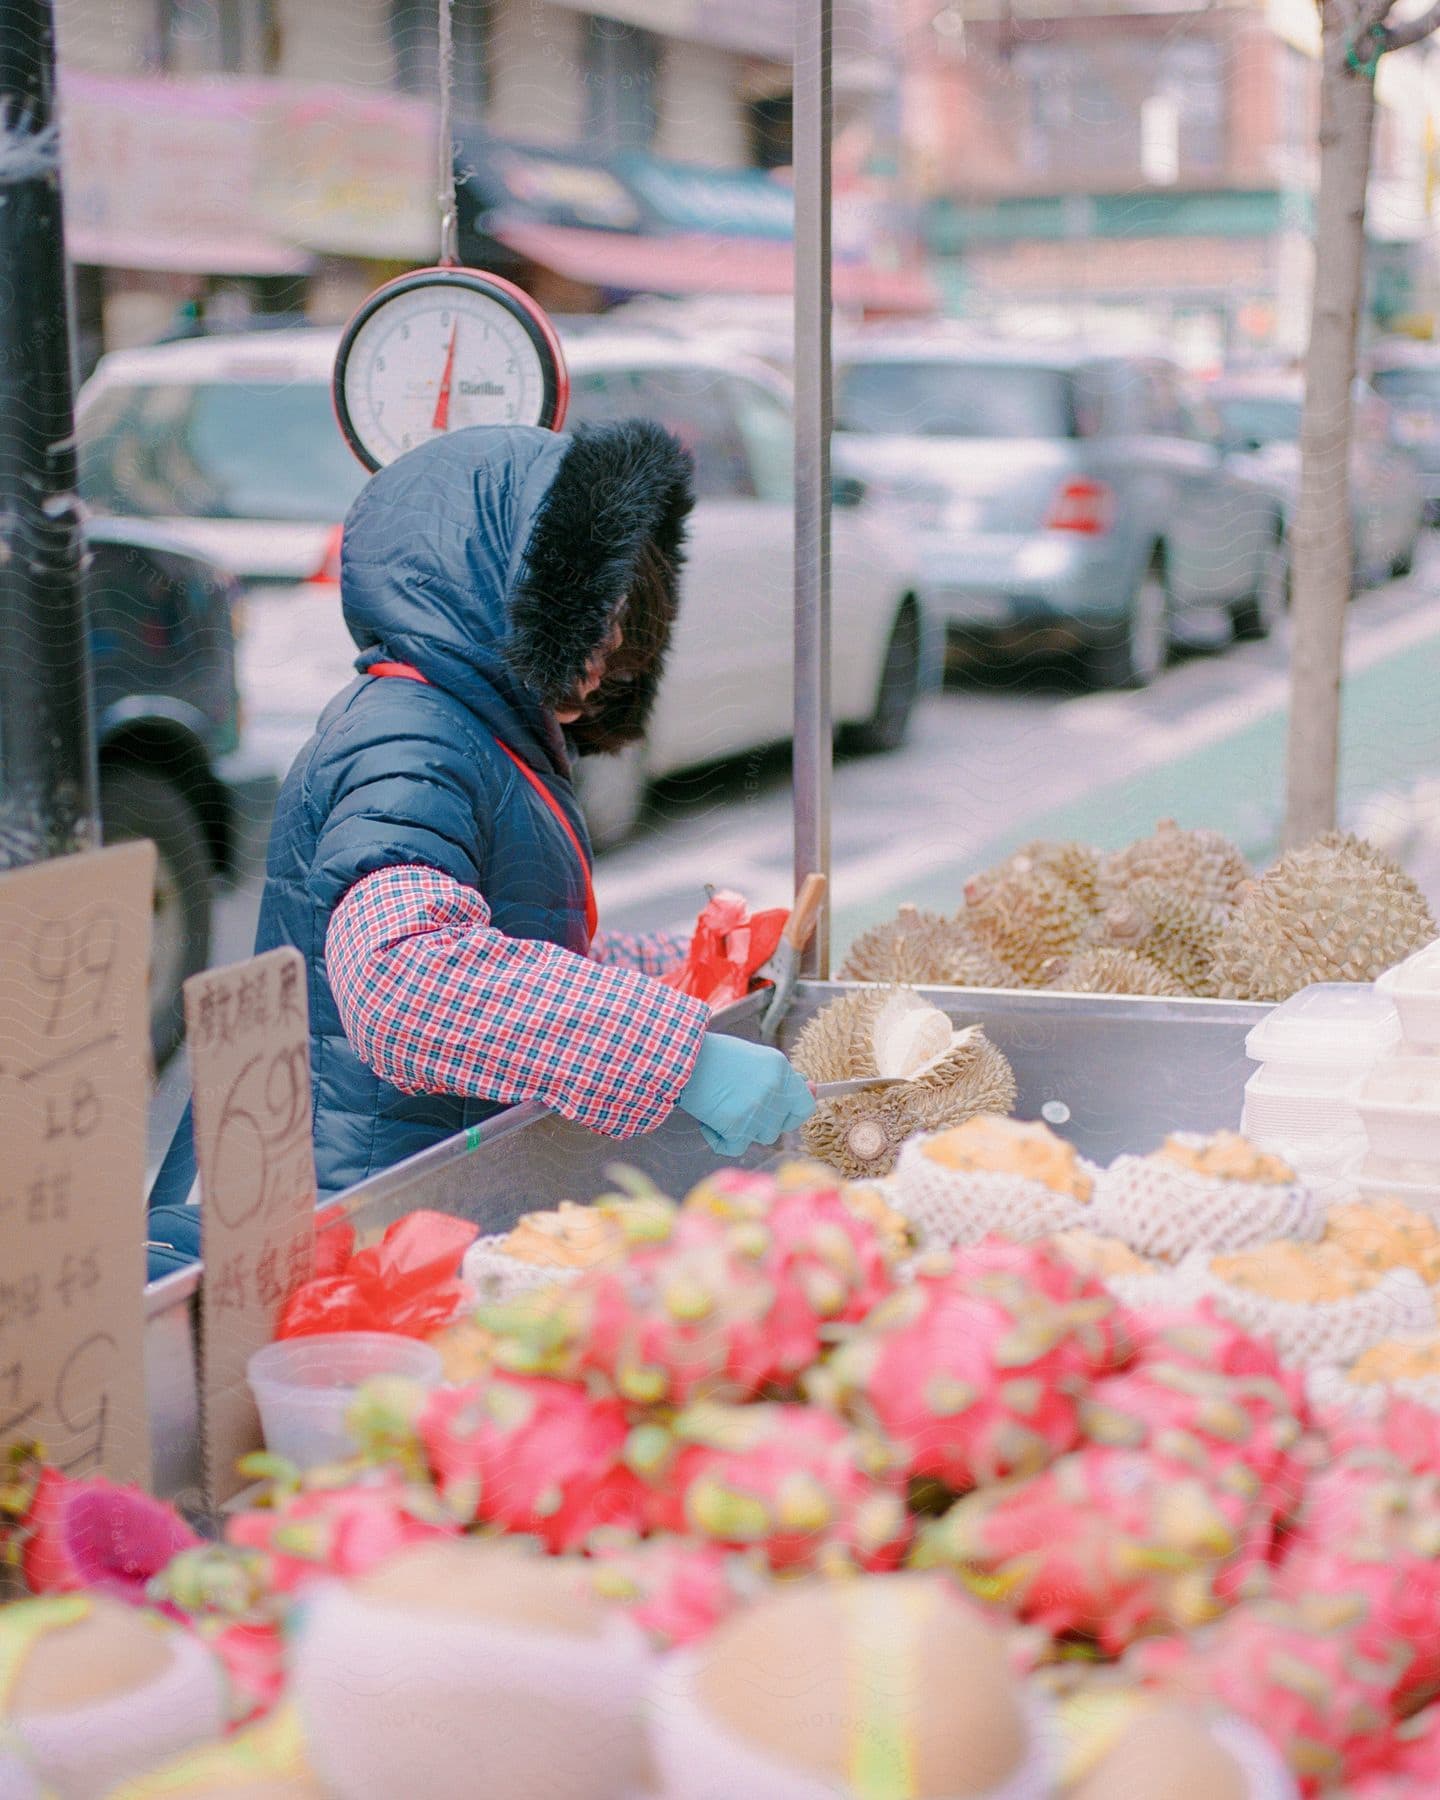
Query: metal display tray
point(1110, 1074)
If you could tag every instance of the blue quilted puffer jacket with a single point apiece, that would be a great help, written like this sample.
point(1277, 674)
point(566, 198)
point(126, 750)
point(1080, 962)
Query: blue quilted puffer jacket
point(491, 560)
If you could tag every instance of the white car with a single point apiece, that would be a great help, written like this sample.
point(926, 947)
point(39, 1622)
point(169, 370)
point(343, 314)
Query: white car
point(231, 442)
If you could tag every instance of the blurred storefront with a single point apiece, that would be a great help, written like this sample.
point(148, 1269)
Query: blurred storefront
point(1129, 164)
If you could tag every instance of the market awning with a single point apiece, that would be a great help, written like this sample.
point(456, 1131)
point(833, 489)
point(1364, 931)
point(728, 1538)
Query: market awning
point(701, 263)
point(236, 253)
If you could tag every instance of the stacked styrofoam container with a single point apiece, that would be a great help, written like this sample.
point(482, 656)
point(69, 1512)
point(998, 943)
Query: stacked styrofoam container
point(1315, 1050)
point(1399, 1098)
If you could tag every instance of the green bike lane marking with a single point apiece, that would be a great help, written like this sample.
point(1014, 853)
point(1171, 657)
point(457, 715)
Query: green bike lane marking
point(1390, 739)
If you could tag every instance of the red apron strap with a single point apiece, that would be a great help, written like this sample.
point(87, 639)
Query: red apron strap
point(408, 672)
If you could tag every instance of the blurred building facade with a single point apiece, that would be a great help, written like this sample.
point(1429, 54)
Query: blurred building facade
point(1143, 166)
point(277, 156)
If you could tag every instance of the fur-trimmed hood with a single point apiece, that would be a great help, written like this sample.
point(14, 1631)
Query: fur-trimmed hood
point(493, 560)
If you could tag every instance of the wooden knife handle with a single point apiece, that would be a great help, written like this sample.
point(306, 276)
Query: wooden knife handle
point(800, 926)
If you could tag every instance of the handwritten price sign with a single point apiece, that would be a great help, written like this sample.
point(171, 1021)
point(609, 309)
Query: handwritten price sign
point(249, 1039)
point(74, 1087)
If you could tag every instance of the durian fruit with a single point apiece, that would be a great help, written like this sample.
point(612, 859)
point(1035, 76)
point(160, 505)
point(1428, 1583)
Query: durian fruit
point(1203, 864)
point(1027, 917)
point(1337, 909)
point(1168, 927)
point(1109, 971)
point(861, 1134)
point(1077, 865)
point(924, 949)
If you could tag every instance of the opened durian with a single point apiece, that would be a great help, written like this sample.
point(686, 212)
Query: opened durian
point(1203, 864)
point(1077, 865)
point(1026, 916)
point(951, 1075)
point(922, 948)
point(1167, 927)
point(1337, 909)
point(1110, 971)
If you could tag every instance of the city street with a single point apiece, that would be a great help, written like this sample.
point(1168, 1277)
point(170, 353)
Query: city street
point(1003, 756)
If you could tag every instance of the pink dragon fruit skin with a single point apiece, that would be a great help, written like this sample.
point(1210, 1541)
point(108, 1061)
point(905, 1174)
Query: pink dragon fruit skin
point(1298, 1673)
point(972, 1383)
point(1108, 1338)
point(327, 1531)
point(1397, 1599)
point(534, 1456)
point(676, 1589)
point(1203, 1338)
point(89, 1533)
point(1105, 1543)
point(1239, 1431)
point(787, 1479)
point(1413, 1773)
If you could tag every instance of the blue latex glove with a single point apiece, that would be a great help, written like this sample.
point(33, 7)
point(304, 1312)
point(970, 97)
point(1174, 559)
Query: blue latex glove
point(744, 1094)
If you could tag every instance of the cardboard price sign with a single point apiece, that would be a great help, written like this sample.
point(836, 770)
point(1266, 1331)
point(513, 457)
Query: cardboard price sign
point(249, 1039)
point(74, 1091)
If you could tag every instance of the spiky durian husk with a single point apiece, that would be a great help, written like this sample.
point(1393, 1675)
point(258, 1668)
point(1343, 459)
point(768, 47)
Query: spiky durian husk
point(1337, 909)
point(1026, 917)
point(861, 1134)
point(1077, 865)
point(1203, 864)
point(1107, 971)
point(919, 948)
point(1167, 927)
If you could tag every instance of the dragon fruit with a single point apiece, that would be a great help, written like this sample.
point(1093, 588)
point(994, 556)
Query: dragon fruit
point(1395, 1601)
point(1413, 1772)
point(676, 1589)
point(973, 1375)
point(1298, 1671)
point(89, 1533)
point(800, 1227)
point(325, 1531)
point(702, 1316)
point(1104, 1331)
point(1239, 1431)
point(789, 1479)
point(1201, 1337)
point(1105, 1543)
point(534, 1456)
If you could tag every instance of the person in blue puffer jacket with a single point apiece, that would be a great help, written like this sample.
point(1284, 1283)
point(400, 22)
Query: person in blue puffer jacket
point(511, 592)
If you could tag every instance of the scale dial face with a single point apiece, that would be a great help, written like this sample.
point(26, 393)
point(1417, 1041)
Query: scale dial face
point(439, 350)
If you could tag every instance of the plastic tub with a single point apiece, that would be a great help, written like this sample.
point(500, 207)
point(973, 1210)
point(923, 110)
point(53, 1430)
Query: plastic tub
point(303, 1387)
point(1413, 988)
point(1339, 1025)
point(1284, 1101)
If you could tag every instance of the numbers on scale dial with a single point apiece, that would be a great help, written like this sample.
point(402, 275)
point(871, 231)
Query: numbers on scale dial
point(439, 359)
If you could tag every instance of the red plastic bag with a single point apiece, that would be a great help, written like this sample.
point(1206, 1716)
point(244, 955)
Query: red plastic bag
point(729, 945)
point(406, 1283)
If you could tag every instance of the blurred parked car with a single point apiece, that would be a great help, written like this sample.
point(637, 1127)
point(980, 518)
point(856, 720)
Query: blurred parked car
point(1060, 500)
point(166, 714)
point(232, 443)
point(1408, 377)
point(1259, 419)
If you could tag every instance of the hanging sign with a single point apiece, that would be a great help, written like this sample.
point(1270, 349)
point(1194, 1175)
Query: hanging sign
point(74, 1093)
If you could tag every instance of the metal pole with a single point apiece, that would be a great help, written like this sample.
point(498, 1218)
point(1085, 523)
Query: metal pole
point(812, 122)
point(47, 733)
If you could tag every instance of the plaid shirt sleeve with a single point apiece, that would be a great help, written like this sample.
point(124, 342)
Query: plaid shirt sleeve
point(652, 952)
point(435, 1000)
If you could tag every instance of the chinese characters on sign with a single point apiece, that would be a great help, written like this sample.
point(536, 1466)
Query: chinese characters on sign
point(74, 1088)
point(249, 1040)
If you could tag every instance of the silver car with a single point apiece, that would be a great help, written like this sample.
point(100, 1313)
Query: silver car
point(1259, 417)
point(1061, 501)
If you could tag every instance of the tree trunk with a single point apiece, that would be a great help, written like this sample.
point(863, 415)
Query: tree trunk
point(1322, 547)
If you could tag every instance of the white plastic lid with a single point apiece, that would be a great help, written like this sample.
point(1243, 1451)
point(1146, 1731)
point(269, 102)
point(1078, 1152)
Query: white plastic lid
point(1418, 974)
point(1334, 1023)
